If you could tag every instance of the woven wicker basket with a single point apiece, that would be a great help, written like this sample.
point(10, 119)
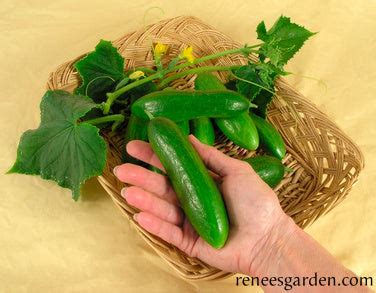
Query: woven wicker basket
point(325, 162)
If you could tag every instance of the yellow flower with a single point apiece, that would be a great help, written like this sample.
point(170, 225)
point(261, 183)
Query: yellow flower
point(137, 74)
point(188, 54)
point(160, 49)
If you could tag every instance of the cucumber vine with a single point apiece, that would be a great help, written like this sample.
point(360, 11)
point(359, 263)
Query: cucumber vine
point(67, 146)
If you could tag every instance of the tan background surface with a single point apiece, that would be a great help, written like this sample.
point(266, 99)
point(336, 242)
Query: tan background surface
point(48, 243)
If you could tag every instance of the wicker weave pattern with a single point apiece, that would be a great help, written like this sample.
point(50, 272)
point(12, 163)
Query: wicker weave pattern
point(325, 162)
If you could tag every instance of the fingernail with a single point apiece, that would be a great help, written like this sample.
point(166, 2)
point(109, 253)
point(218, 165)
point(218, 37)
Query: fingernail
point(135, 217)
point(122, 191)
point(115, 170)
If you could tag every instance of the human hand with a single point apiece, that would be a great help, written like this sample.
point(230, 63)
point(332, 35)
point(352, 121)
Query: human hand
point(258, 226)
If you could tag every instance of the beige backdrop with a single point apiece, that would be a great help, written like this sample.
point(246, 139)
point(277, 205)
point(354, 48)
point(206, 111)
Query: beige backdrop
point(48, 243)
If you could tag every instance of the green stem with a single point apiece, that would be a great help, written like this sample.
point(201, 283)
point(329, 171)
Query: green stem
point(253, 83)
point(109, 118)
point(122, 102)
point(111, 97)
point(217, 55)
point(144, 69)
point(167, 80)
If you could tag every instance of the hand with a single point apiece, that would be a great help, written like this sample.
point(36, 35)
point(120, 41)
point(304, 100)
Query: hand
point(253, 208)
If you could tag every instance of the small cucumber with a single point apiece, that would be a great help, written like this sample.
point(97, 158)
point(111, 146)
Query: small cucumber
point(269, 168)
point(208, 81)
point(136, 129)
point(184, 126)
point(270, 139)
point(195, 188)
point(239, 129)
point(187, 105)
point(203, 130)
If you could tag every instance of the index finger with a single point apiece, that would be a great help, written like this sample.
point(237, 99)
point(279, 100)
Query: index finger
point(142, 150)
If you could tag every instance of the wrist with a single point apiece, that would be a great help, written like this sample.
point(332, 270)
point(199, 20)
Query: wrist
point(272, 247)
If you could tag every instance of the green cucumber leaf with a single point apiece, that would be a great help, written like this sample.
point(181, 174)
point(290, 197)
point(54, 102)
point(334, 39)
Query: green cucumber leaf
point(282, 41)
point(248, 72)
point(261, 74)
point(61, 148)
point(231, 85)
point(262, 101)
point(261, 31)
point(100, 70)
point(267, 73)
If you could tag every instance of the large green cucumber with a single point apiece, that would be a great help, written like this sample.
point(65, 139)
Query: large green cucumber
point(270, 139)
point(187, 105)
point(269, 168)
point(239, 129)
point(203, 130)
point(195, 188)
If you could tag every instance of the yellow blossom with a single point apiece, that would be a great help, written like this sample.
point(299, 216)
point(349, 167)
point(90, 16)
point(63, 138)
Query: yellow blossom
point(188, 54)
point(137, 74)
point(160, 49)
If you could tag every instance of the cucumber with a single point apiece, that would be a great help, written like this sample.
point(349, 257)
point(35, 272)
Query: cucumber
point(239, 129)
point(270, 139)
point(187, 105)
point(203, 130)
point(196, 190)
point(208, 81)
point(184, 126)
point(269, 168)
point(136, 129)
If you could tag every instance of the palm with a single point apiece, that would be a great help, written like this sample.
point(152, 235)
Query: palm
point(252, 206)
point(247, 227)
